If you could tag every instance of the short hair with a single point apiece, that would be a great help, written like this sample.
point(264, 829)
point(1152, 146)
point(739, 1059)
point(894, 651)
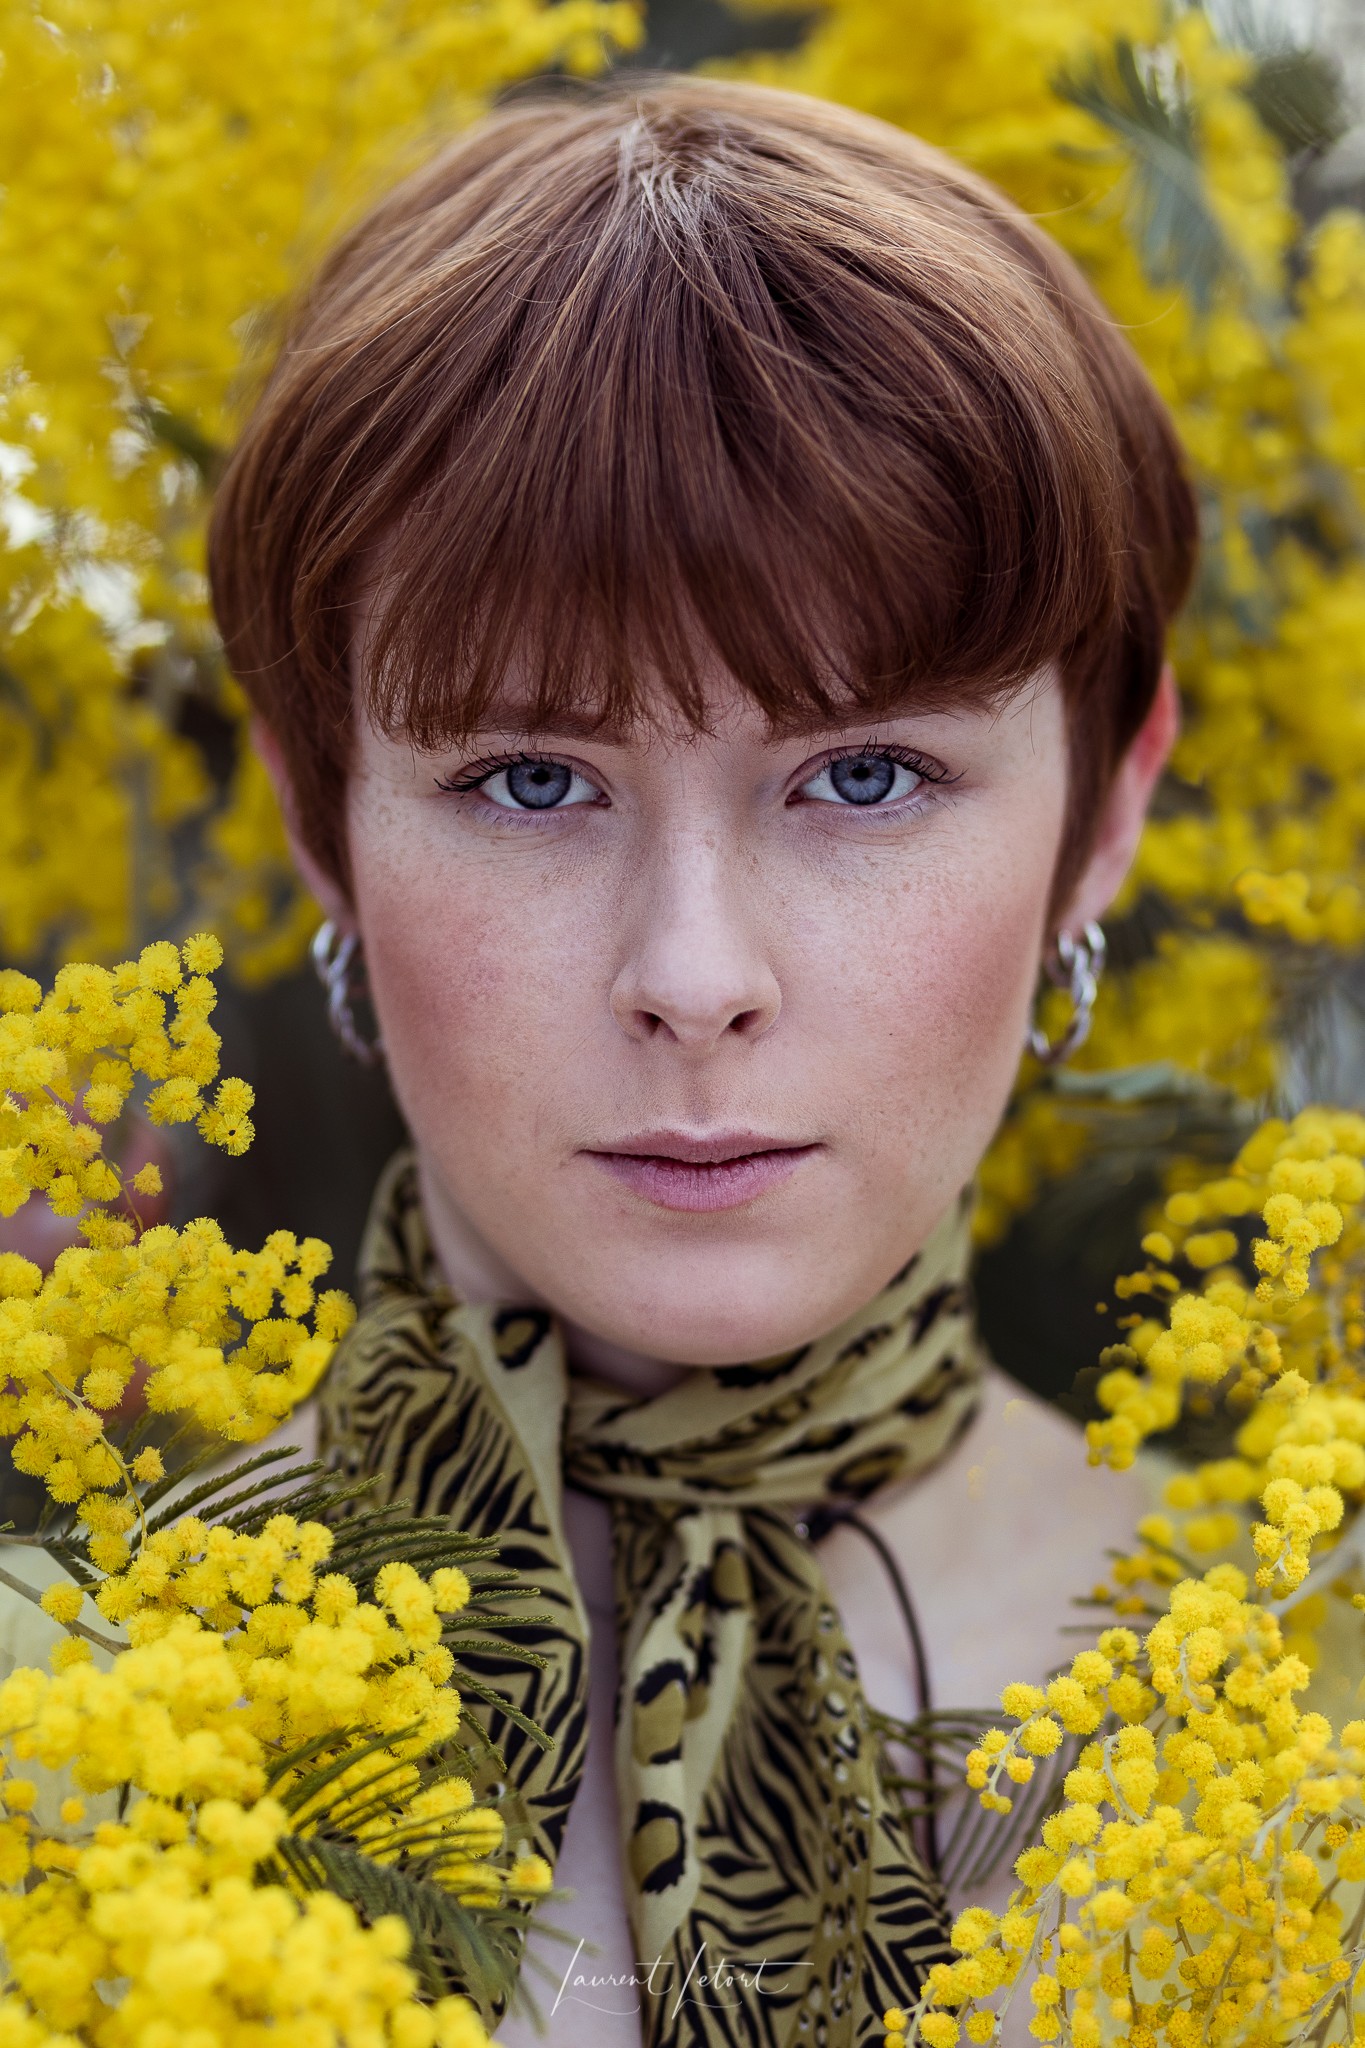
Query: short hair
point(671, 371)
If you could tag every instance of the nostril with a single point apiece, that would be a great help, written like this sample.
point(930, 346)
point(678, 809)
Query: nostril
point(698, 1018)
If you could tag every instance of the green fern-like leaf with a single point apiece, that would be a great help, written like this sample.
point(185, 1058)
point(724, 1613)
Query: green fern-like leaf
point(491, 1697)
point(214, 1499)
point(1170, 219)
point(176, 432)
point(1300, 97)
point(309, 1790)
point(972, 1844)
point(454, 1947)
point(332, 1797)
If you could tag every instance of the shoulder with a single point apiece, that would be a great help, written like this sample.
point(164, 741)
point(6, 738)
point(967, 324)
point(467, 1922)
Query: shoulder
point(996, 1542)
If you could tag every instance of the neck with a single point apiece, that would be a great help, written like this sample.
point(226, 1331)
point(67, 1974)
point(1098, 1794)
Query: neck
point(481, 1277)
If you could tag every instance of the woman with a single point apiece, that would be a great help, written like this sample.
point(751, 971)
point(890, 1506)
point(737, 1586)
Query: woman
point(701, 566)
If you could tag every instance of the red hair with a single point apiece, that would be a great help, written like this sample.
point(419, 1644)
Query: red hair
point(675, 371)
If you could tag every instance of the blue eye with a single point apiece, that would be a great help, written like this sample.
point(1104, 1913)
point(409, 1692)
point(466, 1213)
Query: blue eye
point(532, 785)
point(862, 779)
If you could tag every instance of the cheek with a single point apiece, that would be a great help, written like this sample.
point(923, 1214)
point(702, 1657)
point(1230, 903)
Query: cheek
point(988, 940)
point(469, 977)
point(931, 1003)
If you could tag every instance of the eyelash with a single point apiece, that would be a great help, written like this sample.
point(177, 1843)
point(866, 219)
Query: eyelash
point(905, 757)
point(477, 773)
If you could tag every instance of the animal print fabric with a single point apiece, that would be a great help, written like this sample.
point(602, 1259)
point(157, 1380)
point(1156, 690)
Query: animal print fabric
point(757, 1828)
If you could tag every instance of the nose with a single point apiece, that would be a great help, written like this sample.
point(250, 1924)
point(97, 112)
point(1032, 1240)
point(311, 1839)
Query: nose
point(696, 973)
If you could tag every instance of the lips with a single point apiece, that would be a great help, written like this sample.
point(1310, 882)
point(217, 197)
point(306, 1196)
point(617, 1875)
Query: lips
point(721, 1170)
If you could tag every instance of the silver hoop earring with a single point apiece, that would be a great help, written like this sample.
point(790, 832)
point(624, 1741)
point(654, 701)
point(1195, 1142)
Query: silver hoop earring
point(1076, 965)
point(340, 969)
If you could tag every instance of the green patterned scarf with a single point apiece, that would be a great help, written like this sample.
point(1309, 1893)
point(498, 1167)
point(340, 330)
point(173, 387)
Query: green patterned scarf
point(757, 1826)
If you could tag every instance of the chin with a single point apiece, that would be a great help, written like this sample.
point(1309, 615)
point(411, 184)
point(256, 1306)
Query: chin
point(722, 1311)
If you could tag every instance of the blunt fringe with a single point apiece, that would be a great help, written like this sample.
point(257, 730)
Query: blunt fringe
point(661, 373)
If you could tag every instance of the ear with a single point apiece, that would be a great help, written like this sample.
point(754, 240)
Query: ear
point(1125, 808)
point(320, 884)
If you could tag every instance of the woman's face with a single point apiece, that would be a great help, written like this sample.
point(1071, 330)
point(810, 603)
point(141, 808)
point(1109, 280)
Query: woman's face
point(699, 1035)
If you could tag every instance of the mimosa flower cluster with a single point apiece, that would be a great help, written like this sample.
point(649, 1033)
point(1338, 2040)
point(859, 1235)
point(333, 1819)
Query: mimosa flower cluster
point(278, 1695)
point(1189, 1888)
point(250, 1703)
point(231, 1340)
point(167, 1902)
point(1200, 1883)
point(202, 1953)
point(1289, 1354)
point(205, 1728)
